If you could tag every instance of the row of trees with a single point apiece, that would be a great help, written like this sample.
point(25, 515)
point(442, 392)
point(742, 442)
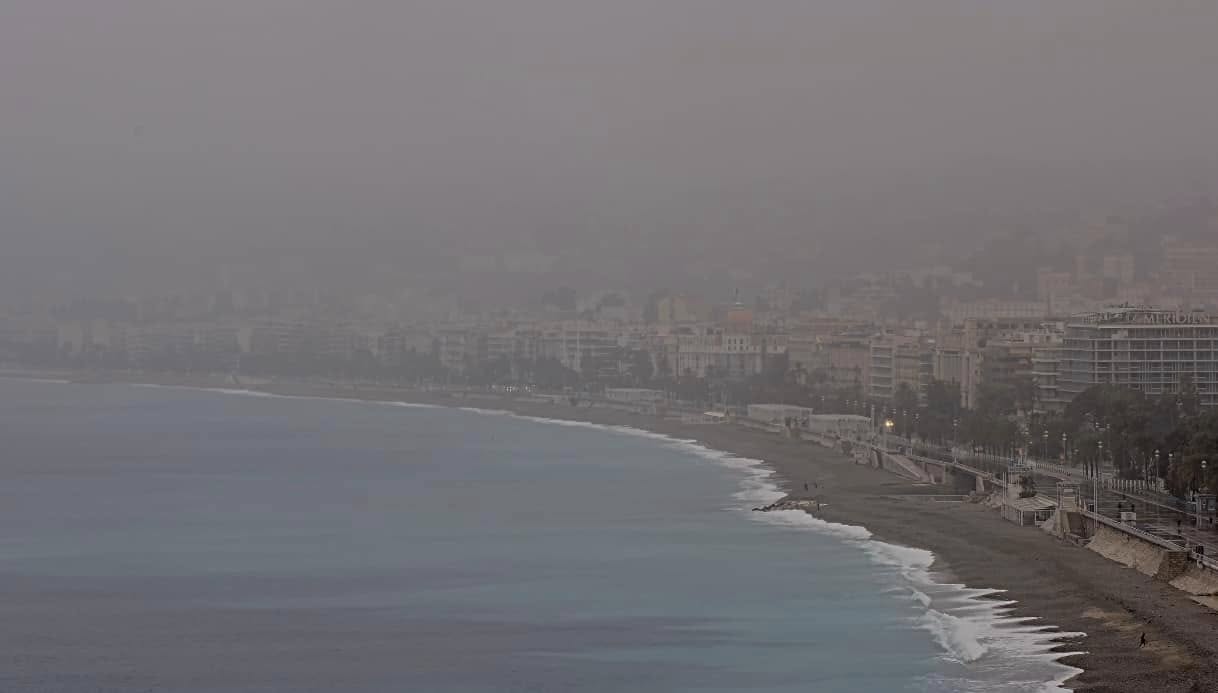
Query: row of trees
point(1142, 437)
point(1105, 427)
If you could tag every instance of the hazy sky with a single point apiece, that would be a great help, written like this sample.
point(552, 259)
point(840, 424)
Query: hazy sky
point(387, 132)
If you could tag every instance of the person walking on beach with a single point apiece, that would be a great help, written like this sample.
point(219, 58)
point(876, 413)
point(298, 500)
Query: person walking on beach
point(805, 486)
point(1142, 642)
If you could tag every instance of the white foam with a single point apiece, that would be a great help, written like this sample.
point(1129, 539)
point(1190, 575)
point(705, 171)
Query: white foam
point(414, 405)
point(956, 635)
point(487, 412)
point(911, 561)
point(799, 518)
point(242, 392)
point(247, 393)
point(218, 390)
point(967, 623)
point(757, 493)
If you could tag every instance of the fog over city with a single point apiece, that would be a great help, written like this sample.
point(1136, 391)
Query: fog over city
point(619, 345)
point(496, 148)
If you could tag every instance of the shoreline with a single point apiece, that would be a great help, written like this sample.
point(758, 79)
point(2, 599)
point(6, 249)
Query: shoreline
point(1049, 581)
point(969, 623)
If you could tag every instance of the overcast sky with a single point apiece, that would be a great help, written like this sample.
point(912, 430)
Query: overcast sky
point(186, 132)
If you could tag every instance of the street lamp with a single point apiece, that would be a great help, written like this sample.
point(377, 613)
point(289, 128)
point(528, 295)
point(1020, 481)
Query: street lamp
point(1156, 467)
point(1045, 451)
point(1205, 497)
point(1065, 450)
point(955, 437)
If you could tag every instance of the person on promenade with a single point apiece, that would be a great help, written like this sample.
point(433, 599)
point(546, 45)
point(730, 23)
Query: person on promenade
point(1142, 642)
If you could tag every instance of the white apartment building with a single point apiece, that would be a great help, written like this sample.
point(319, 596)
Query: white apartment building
point(580, 346)
point(457, 348)
point(715, 352)
point(393, 344)
point(516, 344)
point(896, 360)
point(959, 311)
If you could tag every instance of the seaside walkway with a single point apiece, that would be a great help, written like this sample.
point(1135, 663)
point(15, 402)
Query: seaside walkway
point(1162, 519)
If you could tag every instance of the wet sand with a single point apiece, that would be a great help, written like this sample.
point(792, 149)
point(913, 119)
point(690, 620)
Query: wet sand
point(1055, 581)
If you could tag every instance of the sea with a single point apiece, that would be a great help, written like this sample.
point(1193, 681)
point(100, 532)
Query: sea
point(174, 539)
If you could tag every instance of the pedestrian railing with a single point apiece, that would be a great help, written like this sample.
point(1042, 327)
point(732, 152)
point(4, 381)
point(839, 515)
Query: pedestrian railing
point(1168, 544)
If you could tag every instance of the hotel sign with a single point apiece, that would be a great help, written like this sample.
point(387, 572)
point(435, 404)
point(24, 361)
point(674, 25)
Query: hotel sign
point(1152, 317)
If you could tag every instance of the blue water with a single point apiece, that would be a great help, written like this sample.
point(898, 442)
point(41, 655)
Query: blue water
point(172, 539)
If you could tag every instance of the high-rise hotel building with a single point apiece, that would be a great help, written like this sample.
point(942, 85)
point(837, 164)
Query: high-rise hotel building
point(1141, 348)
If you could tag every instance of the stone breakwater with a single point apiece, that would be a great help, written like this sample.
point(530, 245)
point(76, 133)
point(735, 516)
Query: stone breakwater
point(804, 504)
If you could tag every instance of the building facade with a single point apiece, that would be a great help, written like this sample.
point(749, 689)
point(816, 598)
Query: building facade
point(897, 361)
point(719, 353)
point(1146, 349)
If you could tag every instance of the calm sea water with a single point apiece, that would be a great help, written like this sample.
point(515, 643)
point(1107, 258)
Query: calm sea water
point(171, 539)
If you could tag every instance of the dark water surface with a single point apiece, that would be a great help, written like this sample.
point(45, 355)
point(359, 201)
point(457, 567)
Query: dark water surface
point(170, 539)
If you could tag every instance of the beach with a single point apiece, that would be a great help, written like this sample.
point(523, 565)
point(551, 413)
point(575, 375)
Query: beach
point(1065, 586)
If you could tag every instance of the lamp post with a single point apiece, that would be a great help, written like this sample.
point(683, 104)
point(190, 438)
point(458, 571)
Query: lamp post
point(1156, 470)
point(1170, 461)
point(1205, 497)
point(1065, 450)
point(955, 437)
point(1045, 451)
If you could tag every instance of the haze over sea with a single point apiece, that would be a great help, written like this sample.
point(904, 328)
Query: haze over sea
point(175, 539)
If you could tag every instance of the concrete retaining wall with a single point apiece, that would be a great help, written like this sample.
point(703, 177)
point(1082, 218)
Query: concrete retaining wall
point(1128, 550)
point(1197, 581)
point(1174, 564)
point(904, 467)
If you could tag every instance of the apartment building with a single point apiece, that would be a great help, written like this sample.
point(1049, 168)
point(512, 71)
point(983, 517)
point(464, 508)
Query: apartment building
point(896, 360)
point(717, 352)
